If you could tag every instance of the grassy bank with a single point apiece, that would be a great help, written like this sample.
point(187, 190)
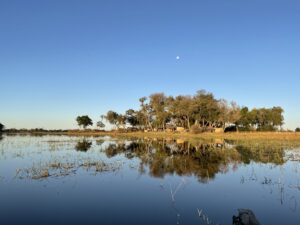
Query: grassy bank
point(233, 136)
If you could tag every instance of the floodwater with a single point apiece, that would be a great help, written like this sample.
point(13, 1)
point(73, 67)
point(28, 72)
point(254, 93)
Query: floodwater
point(103, 180)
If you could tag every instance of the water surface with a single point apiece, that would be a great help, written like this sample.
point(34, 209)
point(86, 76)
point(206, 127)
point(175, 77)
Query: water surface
point(102, 180)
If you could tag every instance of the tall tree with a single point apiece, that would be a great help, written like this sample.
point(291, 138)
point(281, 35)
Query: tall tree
point(181, 110)
point(112, 117)
point(245, 120)
point(132, 117)
point(115, 119)
point(223, 113)
point(206, 108)
point(234, 113)
point(277, 116)
point(121, 121)
point(158, 104)
point(144, 115)
point(84, 121)
point(228, 113)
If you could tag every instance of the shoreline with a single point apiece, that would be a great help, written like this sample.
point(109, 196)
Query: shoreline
point(230, 135)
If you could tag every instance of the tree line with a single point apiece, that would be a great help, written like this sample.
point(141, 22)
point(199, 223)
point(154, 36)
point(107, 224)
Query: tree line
point(201, 111)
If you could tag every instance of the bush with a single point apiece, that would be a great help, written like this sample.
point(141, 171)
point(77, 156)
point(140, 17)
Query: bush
point(297, 129)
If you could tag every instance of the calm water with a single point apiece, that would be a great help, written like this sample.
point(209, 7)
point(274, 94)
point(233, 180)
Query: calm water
point(76, 180)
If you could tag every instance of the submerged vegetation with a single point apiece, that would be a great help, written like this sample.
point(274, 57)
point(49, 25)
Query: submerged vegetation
point(61, 169)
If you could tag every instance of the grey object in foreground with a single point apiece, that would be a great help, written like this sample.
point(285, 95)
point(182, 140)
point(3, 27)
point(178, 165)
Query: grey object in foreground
point(245, 217)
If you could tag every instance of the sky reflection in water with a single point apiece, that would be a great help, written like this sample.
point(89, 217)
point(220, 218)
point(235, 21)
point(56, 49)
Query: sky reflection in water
point(145, 181)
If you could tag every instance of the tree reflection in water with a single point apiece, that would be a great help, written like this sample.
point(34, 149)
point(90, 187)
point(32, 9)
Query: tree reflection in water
point(201, 159)
point(83, 145)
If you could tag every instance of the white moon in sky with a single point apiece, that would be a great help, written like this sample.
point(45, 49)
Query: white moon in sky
point(177, 57)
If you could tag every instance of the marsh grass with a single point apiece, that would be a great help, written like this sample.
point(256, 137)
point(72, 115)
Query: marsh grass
point(62, 169)
point(196, 156)
point(254, 135)
point(230, 135)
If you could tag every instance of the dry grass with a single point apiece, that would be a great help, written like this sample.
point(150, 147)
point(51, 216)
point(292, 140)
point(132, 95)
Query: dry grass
point(231, 136)
point(186, 136)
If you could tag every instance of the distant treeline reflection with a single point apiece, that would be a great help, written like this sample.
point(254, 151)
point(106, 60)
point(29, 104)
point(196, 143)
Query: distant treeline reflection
point(203, 160)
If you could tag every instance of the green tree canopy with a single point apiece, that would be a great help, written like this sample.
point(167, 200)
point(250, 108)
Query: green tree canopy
point(263, 119)
point(202, 109)
point(132, 117)
point(158, 105)
point(181, 109)
point(84, 121)
point(116, 119)
point(205, 108)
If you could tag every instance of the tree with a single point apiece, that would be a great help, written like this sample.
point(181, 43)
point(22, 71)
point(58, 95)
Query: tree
point(158, 105)
point(206, 108)
point(277, 117)
point(115, 119)
point(244, 120)
point(100, 124)
point(181, 110)
point(132, 117)
point(121, 121)
point(297, 129)
point(84, 121)
point(223, 113)
point(234, 113)
point(264, 119)
point(112, 117)
point(1, 127)
point(202, 109)
point(144, 114)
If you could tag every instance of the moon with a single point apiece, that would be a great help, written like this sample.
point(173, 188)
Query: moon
point(178, 57)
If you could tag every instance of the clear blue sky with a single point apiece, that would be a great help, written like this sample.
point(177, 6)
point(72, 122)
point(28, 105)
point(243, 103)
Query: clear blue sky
point(60, 59)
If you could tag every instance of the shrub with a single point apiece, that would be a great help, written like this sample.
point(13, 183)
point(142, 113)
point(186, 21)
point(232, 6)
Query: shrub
point(297, 129)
